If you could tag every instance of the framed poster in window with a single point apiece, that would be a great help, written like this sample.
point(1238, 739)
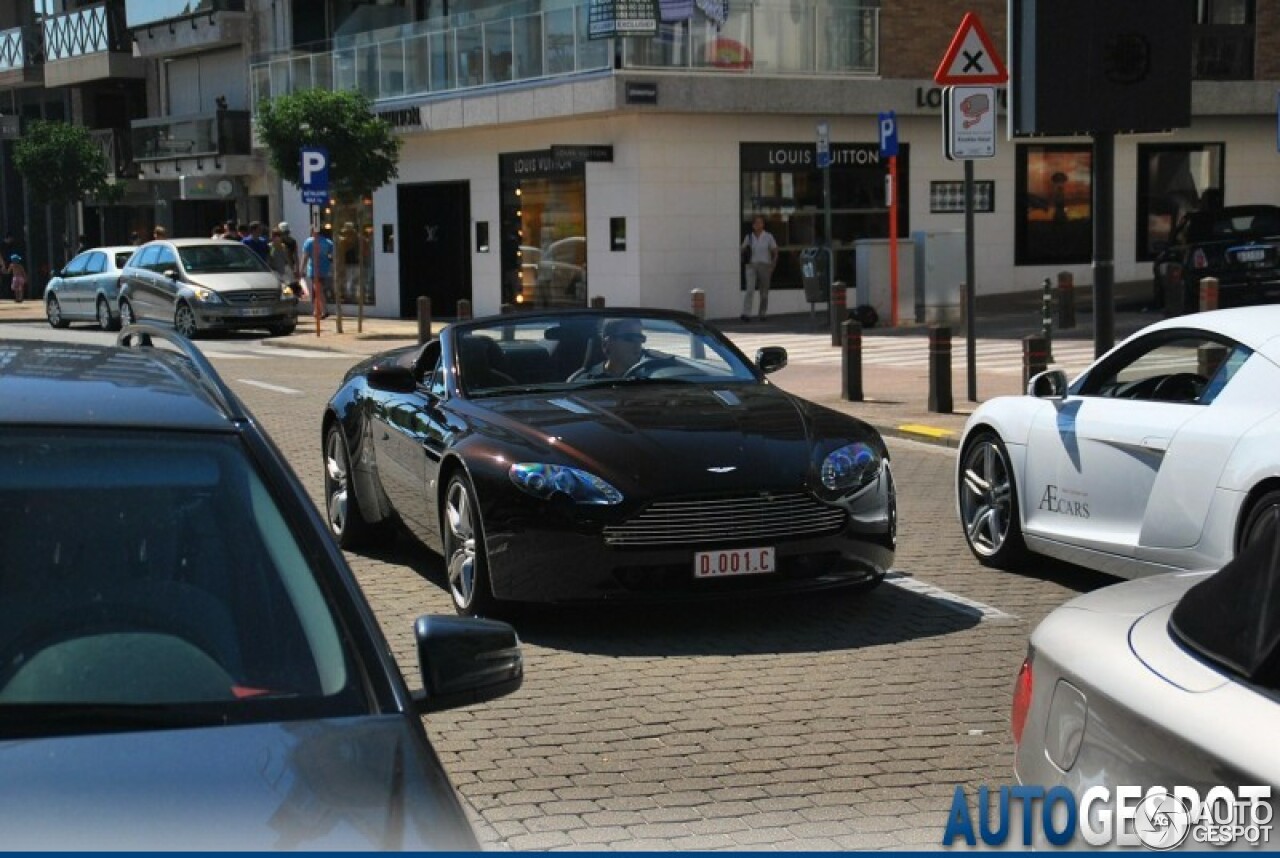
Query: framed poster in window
point(1174, 179)
point(1054, 204)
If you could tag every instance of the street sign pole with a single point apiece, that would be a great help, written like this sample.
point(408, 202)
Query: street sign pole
point(317, 290)
point(824, 163)
point(970, 293)
point(893, 240)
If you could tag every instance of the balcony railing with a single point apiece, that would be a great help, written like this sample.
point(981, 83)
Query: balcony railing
point(774, 37)
point(92, 30)
point(203, 135)
point(116, 150)
point(1223, 52)
point(820, 37)
point(141, 13)
point(20, 48)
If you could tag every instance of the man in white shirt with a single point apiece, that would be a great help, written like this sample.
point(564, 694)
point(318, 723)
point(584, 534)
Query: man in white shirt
point(760, 254)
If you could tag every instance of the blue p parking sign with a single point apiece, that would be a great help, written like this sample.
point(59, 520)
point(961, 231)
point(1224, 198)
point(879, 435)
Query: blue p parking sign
point(888, 135)
point(315, 175)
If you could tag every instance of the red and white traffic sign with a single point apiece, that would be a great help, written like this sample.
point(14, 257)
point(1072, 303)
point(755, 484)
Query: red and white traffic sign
point(971, 59)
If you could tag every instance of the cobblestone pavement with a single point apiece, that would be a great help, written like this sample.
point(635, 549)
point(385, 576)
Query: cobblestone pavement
point(840, 721)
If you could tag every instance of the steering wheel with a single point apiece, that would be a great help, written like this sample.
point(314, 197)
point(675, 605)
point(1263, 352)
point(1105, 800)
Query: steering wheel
point(648, 365)
point(1179, 387)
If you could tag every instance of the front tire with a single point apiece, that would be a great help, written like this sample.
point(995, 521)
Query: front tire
point(464, 554)
point(53, 312)
point(106, 321)
point(989, 502)
point(126, 314)
point(184, 321)
point(342, 508)
point(1263, 514)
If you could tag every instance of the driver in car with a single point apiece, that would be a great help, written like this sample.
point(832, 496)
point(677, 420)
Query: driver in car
point(623, 344)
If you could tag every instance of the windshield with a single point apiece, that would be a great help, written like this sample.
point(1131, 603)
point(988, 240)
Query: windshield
point(220, 258)
point(152, 580)
point(582, 350)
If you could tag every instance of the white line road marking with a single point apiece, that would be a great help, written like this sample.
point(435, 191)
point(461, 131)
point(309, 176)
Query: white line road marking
point(957, 603)
point(272, 387)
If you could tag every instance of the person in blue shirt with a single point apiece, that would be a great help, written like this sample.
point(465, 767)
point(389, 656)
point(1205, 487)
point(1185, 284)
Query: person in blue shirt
point(324, 272)
point(257, 242)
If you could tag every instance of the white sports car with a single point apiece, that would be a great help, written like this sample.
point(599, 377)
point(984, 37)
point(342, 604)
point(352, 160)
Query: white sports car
point(1164, 455)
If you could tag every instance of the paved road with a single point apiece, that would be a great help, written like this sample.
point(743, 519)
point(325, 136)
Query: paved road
point(836, 722)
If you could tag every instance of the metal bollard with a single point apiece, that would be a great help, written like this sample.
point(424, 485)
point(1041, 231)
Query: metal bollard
point(424, 319)
point(940, 400)
point(698, 298)
point(839, 310)
point(1209, 358)
point(1066, 301)
point(1046, 318)
point(464, 309)
point(851, 361)
point(597, 302)
point(1035, 357)
point(1208, 294)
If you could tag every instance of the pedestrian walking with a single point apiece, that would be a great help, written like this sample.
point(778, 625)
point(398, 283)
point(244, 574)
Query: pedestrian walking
point(18, 272)
point(319, 275)
point(257, 242)
point(760, 257)
point(291, 245)
point(282, 263)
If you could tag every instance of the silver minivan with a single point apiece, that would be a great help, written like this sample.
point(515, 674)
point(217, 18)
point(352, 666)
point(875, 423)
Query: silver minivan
point(204, 284)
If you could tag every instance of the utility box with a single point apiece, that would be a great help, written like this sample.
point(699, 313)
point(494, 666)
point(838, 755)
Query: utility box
point(873, 276)
point(939, 272)
point(814, 274)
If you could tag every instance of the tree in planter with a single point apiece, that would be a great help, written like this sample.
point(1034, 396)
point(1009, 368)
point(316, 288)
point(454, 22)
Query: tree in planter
point(363, 149)
point(62, 166)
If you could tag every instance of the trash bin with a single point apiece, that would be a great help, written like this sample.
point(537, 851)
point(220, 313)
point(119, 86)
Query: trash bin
point(814, 266)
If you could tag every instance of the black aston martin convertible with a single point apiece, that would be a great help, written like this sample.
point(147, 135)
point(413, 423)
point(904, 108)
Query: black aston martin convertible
point(589, 455)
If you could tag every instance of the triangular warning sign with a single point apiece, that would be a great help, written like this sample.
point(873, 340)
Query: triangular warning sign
point(971, 59)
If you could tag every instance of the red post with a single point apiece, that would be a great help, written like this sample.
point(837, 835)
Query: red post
point(893, 240)
point(1209, 294)
point(699, 301)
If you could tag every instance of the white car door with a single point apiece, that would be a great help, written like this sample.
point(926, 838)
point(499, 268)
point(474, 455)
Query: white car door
point(1094, 460)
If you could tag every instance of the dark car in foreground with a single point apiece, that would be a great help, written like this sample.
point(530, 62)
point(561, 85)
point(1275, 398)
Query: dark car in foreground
point(186, 661)
point(539, 478)
point(1238, 245)
point(88, 289)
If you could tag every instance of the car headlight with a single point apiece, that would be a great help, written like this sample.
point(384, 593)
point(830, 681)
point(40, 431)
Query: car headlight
point(545, 481)
point(851, 467)
point(206, 296)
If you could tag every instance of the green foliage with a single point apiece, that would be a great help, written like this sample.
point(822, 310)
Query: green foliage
point(62, 164)
point(363, 150)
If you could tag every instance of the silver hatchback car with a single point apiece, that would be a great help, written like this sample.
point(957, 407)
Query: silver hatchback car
point(202, 284)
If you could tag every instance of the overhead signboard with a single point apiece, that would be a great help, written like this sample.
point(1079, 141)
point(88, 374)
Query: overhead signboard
point(972, 58)
point(969, 122)
point(595, 152)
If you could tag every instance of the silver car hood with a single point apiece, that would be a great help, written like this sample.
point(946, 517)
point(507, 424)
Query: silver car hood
point(343, 784)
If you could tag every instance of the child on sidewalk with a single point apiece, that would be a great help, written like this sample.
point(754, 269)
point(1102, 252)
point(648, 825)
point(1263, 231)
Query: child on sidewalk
point(19, 273)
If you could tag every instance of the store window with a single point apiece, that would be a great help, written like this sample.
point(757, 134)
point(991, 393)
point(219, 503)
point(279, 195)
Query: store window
point(781, 183)
point(544, 230)
point(1173, 180)
point(1055, 205)
point(350, 225)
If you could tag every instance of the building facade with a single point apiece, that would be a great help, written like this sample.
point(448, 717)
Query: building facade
point(546, 165)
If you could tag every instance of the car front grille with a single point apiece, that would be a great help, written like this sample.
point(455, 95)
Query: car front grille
point(252, 296)
point(741, 518)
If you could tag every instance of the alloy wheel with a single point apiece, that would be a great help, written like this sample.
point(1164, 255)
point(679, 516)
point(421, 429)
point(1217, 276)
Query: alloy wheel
point(986, 496)
point(336, 475)
point(184, 321)
point(126, 314)
point(462, 545)
point(104, 315)
point(53, 310)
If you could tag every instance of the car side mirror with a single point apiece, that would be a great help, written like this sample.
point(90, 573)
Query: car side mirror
point(171, 273)
point(392, 378)
point(465, 660)
point(1051, 384)
point(771, 358)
